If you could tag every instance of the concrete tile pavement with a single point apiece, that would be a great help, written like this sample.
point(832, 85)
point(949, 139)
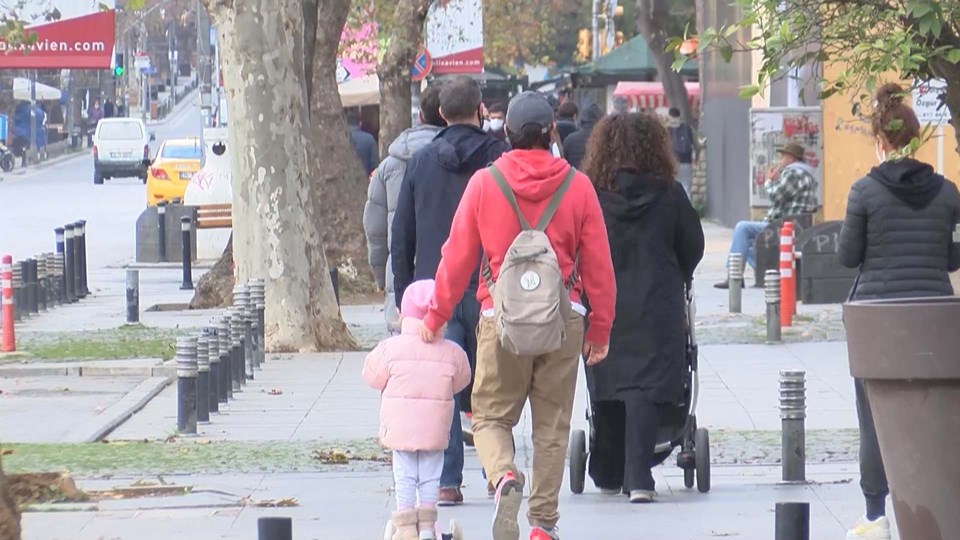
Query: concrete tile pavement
point(355, 506)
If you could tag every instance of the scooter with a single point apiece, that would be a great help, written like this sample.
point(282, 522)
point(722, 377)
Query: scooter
point(6, 158)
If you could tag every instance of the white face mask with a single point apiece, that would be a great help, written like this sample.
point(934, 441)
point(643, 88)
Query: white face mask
point(881, 153)
point(555, 150)
point(495, 124)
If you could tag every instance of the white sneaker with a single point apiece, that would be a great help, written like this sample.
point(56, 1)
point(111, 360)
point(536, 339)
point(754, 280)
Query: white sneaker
point(611, 491)
point(642, 496)
point(878, 529)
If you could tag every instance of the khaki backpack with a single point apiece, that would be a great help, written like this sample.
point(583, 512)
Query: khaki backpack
point(531, 298)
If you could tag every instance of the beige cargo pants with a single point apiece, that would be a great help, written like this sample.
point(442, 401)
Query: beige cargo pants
point(502, 386)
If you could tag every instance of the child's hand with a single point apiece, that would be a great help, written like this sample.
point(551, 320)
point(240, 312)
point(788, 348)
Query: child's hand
point(427, 335)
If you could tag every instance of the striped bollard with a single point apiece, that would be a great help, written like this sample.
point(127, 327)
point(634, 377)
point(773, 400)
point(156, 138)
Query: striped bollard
point(187, 385)
point(771, 284)
point(226, 367)
point(788, 283)
point(213, 358)
point(8, 340)
point(735, 282)
point(203, 380)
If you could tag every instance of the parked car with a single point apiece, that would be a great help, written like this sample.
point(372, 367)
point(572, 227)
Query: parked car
point(176, 162)
point(121, 148)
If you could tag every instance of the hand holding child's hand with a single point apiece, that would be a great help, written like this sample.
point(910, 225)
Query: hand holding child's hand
point(427, 335)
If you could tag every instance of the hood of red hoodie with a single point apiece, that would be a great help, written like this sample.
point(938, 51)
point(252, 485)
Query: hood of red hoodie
point(534, 175)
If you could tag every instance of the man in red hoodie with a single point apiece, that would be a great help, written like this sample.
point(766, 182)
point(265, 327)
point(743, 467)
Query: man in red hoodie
point(486, 221)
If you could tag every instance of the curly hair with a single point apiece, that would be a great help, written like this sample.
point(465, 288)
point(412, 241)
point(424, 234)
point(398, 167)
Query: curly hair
point(636, 141)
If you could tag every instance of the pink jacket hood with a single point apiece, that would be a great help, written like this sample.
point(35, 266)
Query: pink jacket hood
point(417, 382)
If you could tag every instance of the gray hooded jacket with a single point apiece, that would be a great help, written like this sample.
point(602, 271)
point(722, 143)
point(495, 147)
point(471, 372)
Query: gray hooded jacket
point(381, 204)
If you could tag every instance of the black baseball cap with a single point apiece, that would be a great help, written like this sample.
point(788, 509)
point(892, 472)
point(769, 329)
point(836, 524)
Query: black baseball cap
point(529, 108)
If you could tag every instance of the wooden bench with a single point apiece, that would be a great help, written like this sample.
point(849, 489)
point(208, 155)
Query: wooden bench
point(214, 216)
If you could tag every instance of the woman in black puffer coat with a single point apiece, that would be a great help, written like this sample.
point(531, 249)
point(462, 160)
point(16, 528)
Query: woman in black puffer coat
point(656, 241)
point(898, 231)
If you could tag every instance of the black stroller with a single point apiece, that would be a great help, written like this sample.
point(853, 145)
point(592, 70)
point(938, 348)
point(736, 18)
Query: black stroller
point(678, 427)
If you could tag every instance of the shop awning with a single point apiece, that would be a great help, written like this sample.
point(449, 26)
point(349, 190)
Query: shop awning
point(650, 95)
point(362, 92)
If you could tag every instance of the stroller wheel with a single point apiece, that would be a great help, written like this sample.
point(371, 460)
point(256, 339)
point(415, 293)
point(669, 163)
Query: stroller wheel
point(701, 442)
point(578, 460)
point(688, 478)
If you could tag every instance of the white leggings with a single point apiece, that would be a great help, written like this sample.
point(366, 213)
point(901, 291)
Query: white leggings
point(417, 473)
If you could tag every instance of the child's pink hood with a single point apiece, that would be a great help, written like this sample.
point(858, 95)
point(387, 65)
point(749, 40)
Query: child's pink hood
point(418, 381)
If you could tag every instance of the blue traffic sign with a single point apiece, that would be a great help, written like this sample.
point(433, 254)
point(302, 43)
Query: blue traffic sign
point(422, 66)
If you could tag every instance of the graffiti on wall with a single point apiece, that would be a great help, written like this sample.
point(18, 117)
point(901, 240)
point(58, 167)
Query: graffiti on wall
point(772, 128)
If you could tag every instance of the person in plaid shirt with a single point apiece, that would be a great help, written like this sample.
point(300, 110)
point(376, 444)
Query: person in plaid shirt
point(792, 190)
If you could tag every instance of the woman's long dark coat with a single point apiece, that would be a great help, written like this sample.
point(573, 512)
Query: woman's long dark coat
point(656, 241)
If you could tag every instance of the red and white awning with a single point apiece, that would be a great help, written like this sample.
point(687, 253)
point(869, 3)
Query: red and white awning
point(650, 95)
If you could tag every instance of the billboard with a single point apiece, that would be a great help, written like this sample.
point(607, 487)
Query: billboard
point(82, 38)
point(455, 36)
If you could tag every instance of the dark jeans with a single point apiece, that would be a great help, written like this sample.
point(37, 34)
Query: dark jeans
point(462, 330)
point(873, 478)
point(625, 438)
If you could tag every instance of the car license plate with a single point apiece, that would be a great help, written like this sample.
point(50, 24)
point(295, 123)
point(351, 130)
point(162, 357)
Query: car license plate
point(186, 175)
point(121, 155)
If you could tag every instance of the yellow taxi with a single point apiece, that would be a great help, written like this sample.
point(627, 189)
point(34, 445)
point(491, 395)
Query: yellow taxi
point(169, 173)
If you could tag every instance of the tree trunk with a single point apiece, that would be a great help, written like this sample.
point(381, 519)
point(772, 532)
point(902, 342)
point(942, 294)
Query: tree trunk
point(394, 70)
point(277, 232)
point(653, 21)
point(9, 512)
point(338, 175)
point(215, 288)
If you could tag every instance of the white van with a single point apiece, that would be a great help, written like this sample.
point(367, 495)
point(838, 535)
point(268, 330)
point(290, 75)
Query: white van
point(121, 148)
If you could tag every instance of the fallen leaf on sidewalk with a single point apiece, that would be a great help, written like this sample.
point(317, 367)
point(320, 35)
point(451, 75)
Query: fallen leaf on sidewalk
point(99, 409)
point(339, 457)
point(61, 389)
point(275, 392)
point(270, 503)
point(6, 451)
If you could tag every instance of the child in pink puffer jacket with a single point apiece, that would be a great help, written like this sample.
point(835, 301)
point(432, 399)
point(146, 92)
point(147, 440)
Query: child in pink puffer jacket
point(418, 381)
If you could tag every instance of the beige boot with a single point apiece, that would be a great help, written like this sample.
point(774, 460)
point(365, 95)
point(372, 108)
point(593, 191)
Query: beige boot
point(405, 525)
point(427, 523)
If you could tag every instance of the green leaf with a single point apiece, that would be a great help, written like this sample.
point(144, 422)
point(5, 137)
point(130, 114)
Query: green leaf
point(747, 92)
point(726, 52)
point(678, 63)
point(953, 56)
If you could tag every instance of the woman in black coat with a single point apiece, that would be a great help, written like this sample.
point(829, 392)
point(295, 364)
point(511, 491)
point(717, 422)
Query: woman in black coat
point(656, 241)
point(898, 231)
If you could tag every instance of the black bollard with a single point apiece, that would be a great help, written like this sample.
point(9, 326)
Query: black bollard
point(213, 358)
point(241, 302)
point(68, 264)
point(133, 296)
point(274, 528)
point(162, 231)
point(41, 262)
point(203, 380)
point(187, 385)
point(258, 297)
point(792, 521)
point(77, 271)
point(236, 349)
point(226, 367)
point(82, 227)
point(32, 302)
point(335, 280)
point(61, 279)
point(53, 281)
point(61, 246)
point(17, 292)
point(185, 227)
point(793, 406)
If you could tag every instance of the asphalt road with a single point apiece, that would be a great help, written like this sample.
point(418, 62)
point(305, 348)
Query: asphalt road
point(34, 201)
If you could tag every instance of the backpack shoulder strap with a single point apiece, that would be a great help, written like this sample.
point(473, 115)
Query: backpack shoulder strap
point(508, 194)
point(555, 201)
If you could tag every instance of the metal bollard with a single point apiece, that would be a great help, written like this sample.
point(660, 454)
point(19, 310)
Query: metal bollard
point(17, 292)
point(187, 385)
point(735, 282)
point(8, 341)
point(58, 232)
point(33, 303)
point(133, 296)
point(793, 405)
point(257, 301)
point(41, 262)
point(241, 299)
point(213, 358)
point(82, 226)
point(203, 380)
point(792, 521)
point(236, 349)
point(185, 228)
point(274, 528)
point(77, 272)
point(226, 366)
point(771, 283)
point(162, 231)
point(53, 280)
point(68, 264)
point(61, 278)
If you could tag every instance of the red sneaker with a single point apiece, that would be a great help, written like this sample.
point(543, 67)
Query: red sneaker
point(508, 498)
point(539, 533)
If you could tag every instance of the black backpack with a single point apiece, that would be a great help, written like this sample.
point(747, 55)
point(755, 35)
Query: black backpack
point(682, 138)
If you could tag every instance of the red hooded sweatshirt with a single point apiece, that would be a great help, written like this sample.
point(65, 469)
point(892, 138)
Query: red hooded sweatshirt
point(485, 220)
